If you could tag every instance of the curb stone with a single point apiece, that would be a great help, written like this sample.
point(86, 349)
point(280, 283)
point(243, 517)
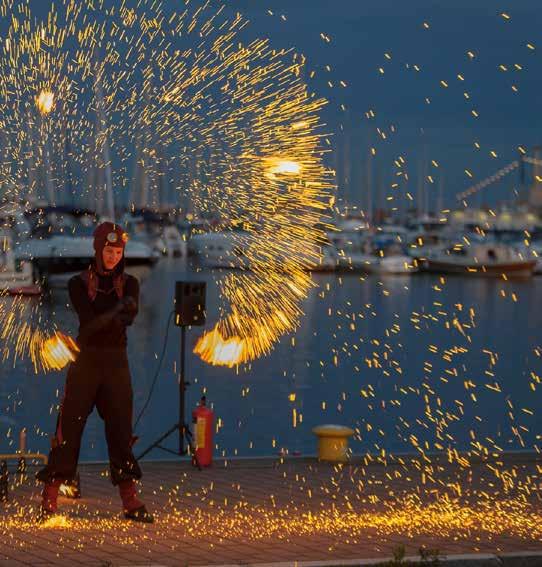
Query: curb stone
point(521, 559)
point(515, 559)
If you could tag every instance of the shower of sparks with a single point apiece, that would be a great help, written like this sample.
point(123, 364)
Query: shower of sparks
point(130, 97)
point(411, 518)
point(21, 334)
point(177, 98)
point(457, 506)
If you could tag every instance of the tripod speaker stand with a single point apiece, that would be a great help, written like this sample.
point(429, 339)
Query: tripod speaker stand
point(189, 311)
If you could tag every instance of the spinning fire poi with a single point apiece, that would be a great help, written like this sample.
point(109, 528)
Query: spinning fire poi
point(98, 91)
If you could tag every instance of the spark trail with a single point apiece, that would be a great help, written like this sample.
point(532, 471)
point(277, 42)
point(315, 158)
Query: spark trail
point(93, 94)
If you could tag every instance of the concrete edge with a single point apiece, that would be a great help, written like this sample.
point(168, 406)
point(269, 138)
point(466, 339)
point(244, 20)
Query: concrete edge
point(356, 459)
point(393, 459)
point(512, 559)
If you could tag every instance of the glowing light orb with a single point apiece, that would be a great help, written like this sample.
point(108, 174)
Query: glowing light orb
point(45, 102)
point(277, 166)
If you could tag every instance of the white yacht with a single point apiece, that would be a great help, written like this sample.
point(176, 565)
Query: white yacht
point(346, 248)
point(154, 231)
point(63, 243)
point(342, 246)
point(481, 259)
point(384, 255)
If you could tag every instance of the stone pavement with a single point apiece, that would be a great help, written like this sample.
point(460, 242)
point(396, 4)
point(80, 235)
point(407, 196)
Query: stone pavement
point(285, 510)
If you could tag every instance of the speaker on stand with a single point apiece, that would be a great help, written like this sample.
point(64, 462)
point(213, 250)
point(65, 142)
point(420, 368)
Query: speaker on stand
point(189, 311)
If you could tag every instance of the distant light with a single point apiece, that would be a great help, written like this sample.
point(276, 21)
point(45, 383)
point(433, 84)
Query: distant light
point(45, 102)
point(278, 166)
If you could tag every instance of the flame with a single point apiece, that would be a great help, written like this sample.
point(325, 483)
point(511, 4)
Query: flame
point(214, 349)
point(45, 101)
point(56, 521)
point(58, 351)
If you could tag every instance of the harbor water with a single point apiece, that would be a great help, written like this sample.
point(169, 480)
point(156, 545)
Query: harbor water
point(412, 363)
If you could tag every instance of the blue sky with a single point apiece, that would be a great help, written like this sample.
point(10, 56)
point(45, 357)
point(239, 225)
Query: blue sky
point(445, 130)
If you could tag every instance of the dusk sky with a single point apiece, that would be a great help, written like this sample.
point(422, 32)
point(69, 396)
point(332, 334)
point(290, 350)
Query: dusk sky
point(362, 32)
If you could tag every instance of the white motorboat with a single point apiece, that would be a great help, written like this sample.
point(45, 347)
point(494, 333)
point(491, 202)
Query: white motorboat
point(225, 249)
point(174, 243)
point(342, 251)
point(481, 259)
point(395, 264)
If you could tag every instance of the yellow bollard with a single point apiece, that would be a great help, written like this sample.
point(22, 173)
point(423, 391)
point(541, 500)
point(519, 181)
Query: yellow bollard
point(333, 442)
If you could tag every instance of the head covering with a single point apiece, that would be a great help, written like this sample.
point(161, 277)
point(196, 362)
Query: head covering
point(106, 234)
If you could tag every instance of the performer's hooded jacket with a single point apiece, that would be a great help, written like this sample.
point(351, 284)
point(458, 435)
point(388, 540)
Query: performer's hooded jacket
point(96, 293)
point(106, 304)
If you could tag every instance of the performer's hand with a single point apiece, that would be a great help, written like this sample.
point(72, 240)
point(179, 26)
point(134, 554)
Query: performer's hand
point(129, 303)
point(119, 307)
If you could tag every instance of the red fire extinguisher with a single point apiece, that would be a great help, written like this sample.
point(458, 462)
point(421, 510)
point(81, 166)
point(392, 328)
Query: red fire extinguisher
point(203, 420)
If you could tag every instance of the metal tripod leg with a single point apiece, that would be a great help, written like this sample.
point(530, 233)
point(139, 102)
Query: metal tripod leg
point(184, 431)
point(186, 437)
point(156, 444)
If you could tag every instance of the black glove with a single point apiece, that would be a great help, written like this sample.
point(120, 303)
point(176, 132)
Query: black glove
point(129, 303)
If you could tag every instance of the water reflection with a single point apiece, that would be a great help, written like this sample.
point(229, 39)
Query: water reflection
point(407, 360)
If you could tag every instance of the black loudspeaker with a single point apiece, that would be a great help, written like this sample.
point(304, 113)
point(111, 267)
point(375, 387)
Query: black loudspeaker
point(189, 303)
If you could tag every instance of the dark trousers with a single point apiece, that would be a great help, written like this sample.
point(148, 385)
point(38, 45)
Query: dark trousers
point(99, 377)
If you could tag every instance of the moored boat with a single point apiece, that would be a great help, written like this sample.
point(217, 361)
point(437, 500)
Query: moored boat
point(16, 277)
point(385, 255)
point(62, 243)
point(483, 259)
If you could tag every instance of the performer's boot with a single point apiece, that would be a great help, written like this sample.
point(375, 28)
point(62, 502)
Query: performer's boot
point(133, 508)
point(49, 497)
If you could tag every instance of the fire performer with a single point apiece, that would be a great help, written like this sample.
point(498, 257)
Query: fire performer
point(106, 301)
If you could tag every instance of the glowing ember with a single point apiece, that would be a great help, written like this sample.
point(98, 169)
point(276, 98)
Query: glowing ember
point(57, 521)
point(68, 490)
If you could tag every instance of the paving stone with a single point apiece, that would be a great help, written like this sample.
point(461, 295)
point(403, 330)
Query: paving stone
point(224, 491)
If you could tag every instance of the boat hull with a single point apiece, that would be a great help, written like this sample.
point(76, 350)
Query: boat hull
point(66, 265)
point(19, 282)
point(496, 270)
point(61, 254)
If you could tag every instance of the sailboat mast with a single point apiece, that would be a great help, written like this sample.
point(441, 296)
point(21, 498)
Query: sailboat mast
point(106, 153)
point(369, 186)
